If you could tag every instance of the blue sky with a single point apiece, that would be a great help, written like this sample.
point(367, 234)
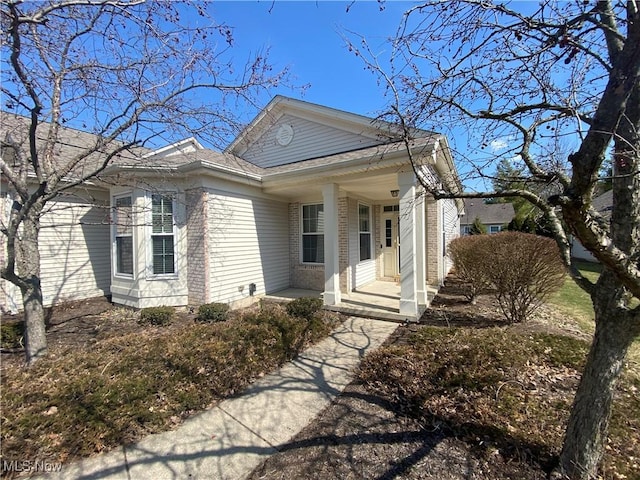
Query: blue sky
point(306, 37)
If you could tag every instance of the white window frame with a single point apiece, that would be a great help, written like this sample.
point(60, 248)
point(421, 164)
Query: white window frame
point(115, 236)
point(303, 233)
point(149, 234)
point(495, 228)
point(362, 232)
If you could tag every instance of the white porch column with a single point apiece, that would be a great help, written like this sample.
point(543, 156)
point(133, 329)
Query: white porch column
point(332, 295)
point(408, 270)
point(421, 248)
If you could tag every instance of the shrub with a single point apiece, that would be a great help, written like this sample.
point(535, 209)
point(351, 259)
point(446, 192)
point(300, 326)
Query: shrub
point(11, 335)
point(213, 312)
point(156, 315)
point(521, 269)
point(525, 270)
point(304, 307)
point(470, 262)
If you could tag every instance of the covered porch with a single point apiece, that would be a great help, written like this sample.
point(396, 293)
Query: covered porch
point(379, 300)
point(362, 217)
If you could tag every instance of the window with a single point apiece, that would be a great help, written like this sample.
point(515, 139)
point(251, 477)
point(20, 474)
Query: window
point(364, 226)
point(162, 245)
point(495, 229)
point(122, 220)
point(313, 233)
point(388, 233)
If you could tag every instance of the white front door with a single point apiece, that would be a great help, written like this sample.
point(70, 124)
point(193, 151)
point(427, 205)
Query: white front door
point(390, 244)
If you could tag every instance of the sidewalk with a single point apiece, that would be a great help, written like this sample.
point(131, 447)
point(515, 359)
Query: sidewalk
point(230, 440)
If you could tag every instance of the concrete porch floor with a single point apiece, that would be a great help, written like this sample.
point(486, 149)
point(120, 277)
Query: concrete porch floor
point(379, 299)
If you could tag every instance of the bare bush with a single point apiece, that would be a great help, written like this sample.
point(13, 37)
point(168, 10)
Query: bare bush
point(525, 270)
point(470, 262)
point(521, 269)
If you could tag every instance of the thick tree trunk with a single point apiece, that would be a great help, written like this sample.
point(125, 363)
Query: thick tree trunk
point(29, 271)
point(587, 428)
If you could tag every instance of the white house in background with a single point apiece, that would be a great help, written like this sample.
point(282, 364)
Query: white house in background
point(602, 204)
point(306, 197)
point(494, 216)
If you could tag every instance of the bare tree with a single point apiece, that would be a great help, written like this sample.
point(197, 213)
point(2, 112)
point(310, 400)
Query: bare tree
point(126, 71)
point(517, 82)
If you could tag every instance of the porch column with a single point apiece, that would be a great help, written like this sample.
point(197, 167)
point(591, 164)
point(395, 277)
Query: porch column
point(332, 294)
point(407, 194)
point(421, 247)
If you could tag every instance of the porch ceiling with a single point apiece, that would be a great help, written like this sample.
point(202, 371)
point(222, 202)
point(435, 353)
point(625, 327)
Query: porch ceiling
point(372, 187)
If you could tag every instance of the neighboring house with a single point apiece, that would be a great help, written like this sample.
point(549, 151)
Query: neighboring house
point(494, 216)
point(306, 197)
point(603, 205)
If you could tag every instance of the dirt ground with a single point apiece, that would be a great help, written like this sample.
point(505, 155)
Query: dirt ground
point(80, 323)
point(361, 437)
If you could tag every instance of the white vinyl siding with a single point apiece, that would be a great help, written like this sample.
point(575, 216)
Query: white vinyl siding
point(451, 229)
point(248, 243)
point(74, 248)
point(310, 140)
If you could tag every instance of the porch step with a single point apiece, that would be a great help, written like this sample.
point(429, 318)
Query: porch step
point(373, 314)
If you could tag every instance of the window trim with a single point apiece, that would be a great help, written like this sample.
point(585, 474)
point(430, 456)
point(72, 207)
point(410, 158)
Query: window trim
point(115, 236)
point(150, 275)
point(368, 232)
point(303, 233)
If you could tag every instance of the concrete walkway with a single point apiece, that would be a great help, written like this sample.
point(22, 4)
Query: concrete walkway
point(230, 440)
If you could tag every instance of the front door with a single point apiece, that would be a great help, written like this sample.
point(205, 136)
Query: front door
point(390, 244)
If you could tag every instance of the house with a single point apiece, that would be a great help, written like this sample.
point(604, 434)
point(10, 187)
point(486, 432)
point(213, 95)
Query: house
point(305, 197)
point(602, 204)
point(494, 216)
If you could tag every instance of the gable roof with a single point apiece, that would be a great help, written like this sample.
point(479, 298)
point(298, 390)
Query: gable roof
point(71, 143)
point(487, 213)
point(280, 105)
point(382, 151)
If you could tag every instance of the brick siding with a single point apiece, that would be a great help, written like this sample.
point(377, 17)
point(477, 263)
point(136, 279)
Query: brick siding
point(433, 240)
point(197, 247)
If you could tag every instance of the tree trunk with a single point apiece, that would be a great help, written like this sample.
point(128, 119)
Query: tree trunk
point(589, 420)
point(29, 271)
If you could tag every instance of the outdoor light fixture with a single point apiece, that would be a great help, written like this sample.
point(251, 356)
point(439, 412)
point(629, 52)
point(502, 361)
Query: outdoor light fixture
point(394, 193)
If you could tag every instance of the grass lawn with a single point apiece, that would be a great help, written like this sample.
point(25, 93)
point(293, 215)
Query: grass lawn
point(575, 302)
